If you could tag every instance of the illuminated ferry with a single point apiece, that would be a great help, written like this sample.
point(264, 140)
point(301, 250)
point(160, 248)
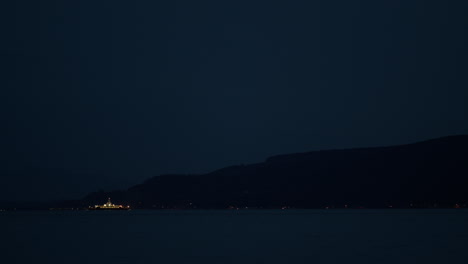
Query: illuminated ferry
point(109, 206)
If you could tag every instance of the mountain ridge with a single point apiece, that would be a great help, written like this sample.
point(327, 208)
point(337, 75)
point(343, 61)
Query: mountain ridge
point(317, 179)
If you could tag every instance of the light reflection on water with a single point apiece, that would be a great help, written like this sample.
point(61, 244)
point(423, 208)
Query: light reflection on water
point(268, 236)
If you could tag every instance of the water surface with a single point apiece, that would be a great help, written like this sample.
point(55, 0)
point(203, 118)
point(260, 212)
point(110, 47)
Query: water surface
point(244, 236)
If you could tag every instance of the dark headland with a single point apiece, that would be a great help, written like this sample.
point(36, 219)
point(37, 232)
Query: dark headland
point(428, 174)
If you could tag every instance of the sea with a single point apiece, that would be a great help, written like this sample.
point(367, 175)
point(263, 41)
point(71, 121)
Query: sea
point(235, 236)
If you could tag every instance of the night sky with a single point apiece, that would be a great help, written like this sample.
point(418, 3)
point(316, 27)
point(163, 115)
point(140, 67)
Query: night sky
point(105, 94)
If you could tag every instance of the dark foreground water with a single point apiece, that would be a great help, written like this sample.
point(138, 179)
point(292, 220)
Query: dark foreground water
point(289, 236)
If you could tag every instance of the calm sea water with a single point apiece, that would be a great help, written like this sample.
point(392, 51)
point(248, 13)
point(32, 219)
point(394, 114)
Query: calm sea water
point(288, 236)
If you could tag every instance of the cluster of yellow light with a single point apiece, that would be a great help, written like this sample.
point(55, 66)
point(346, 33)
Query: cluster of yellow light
point(110, 205)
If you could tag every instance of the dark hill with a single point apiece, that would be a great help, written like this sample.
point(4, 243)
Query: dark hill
point(425, 174)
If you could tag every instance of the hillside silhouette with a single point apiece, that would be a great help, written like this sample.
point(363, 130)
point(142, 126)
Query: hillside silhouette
point(432, 173)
